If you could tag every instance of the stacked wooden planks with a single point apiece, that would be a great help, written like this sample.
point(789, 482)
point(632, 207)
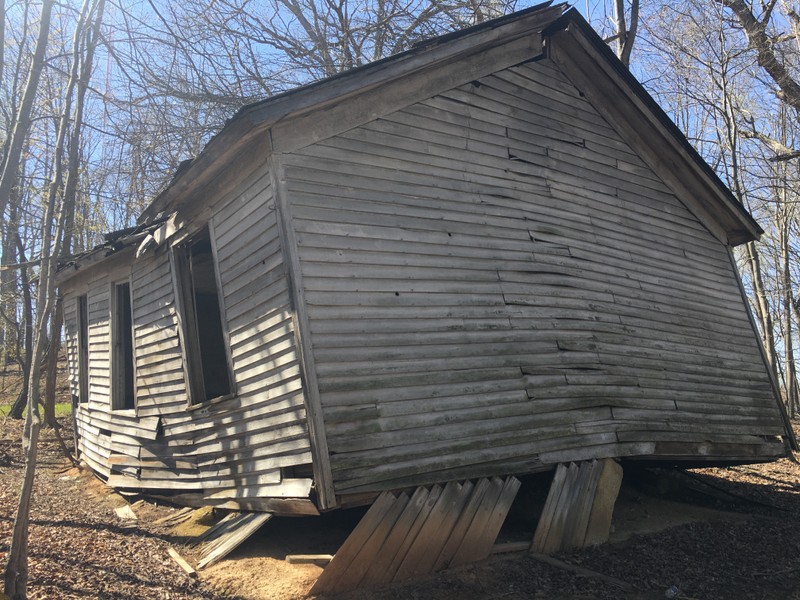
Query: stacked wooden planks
point(227, 535)
point(579, 506)
point(407, 535)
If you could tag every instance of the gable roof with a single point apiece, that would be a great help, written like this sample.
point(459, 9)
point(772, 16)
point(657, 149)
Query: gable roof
point(453, 59)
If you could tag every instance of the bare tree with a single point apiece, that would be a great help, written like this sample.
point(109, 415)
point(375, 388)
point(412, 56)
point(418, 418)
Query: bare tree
point(22, 120)
point(52, 236)
point(627, 25)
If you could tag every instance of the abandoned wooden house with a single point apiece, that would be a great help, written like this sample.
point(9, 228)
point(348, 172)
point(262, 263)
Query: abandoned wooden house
point(486, 256)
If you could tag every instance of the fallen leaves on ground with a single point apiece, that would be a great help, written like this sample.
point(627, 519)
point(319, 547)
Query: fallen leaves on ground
point(81, 548)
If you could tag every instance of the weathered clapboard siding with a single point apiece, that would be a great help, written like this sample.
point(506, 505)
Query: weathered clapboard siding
point(259, 315)
point(238, 447)
point(70, 311)
point(98, 301)
point(434, 268)
point(159, 366)
point(552, 299)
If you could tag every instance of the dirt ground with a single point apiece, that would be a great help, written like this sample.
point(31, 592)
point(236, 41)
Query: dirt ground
point(707, 534)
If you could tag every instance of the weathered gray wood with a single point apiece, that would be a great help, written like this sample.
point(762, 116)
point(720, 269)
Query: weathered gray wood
point(396, 319)
point(462, 525)
point(508, 46)
point(379, 569)
point(428, 544)
point(230, 537)
point(354, 576)
point(571, 51)
point(319, 444)
point(476, 537)
point(347, 553)
point(788, 428)
point(606, 484)
point(321, 560)
point(181, 562)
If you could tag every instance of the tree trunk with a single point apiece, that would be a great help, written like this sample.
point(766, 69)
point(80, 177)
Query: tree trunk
point(788, 334)
point(626, 32)
point(51, 370)
point(27, 331)
point(22, 119)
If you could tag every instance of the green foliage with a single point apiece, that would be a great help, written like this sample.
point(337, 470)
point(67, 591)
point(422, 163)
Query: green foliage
point(63, 409)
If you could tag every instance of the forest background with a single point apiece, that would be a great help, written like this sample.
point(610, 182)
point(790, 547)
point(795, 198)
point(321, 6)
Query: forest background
point(101, 100)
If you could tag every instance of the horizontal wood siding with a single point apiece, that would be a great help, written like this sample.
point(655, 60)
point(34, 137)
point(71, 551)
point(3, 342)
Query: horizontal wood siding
point(70, 311)
point(496, 281)
point(259, 316)
point(243, 444)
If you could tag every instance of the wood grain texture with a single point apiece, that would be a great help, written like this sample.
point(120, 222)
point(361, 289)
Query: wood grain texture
point(241, 451)
point(538, 303)
point(403, 537)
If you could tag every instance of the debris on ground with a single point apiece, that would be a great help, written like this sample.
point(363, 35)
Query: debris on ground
point(706, 534)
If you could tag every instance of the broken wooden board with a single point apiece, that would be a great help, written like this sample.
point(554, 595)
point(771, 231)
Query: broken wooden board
point(320, 560)
point(181, 562)
point(176, 518)
point(222, 539)
point(578, 509)
point(404, 536)
point(125, 512)
point(609, 482)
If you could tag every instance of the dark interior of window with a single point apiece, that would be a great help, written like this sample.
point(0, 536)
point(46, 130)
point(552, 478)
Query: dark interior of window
point(123, 348)
point(203, 318)
point(83, 349)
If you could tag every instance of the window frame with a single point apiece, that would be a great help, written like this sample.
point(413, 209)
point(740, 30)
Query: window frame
point(118, 401)
point(187, 319)
point(82, 346)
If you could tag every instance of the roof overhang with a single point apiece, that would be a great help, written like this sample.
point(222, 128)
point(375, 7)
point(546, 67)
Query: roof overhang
point(617, 95)
point(313, 112)
point(518, 35)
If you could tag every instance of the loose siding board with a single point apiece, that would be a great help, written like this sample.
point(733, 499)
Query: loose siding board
point(495, 280)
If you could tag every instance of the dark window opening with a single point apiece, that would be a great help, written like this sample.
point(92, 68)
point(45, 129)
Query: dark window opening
point(83, 349)
point(123, 392)
point(204, 339)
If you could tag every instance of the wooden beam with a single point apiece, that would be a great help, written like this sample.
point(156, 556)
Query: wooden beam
point(181, 562)
point(323, 476)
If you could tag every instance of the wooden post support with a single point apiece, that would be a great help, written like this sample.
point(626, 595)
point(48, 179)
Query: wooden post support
point(402, 537)
point(578, 509)
point(605, 497)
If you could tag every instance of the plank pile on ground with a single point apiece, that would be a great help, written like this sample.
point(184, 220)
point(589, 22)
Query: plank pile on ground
point(224, 537)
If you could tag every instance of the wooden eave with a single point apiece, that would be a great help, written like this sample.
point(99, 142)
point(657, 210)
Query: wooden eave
point(314, 111)
point(591, 65)
point(116, 243)
point(316, 98)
